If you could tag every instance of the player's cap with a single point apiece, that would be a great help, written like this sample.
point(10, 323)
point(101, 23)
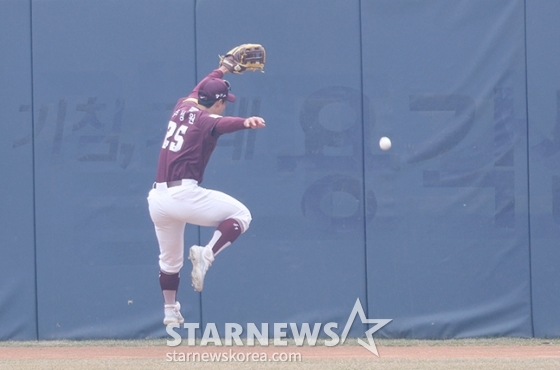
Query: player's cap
point(215, 89)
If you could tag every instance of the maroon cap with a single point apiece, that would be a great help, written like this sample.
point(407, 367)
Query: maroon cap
point(214, 89)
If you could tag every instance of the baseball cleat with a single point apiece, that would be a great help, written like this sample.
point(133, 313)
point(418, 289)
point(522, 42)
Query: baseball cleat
point(173, 314)
point(201, 261)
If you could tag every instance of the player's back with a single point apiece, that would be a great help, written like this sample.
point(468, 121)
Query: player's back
point(188, 143)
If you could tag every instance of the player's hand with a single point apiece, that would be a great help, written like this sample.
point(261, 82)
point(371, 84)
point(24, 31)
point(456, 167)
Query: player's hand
point(254, 122)
point(246, 57)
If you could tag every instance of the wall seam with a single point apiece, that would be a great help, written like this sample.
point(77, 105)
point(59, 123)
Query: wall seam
point(33, 175)
point(528, 174)
point(364, 198)
point(195, 43)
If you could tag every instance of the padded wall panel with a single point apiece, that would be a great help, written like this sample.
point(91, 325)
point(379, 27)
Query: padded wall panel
point(445, 210)
point(17, 250)
point(301, 261)
point(447, 250)
point(543, 58)
point(107, 75)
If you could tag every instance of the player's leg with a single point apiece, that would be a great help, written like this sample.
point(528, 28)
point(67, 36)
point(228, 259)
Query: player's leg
point(230, 217)
point(224, 235)
point(170, 235)
point(171, 243)
point(171, 307)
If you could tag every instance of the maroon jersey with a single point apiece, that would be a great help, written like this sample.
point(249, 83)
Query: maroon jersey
point(192, 135)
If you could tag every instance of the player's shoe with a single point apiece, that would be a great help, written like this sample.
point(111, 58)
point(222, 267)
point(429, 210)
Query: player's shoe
point(173, 314)
point(201, 260)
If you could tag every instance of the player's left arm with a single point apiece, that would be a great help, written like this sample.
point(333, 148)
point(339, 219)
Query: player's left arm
point(226, 125)
point(254, 122)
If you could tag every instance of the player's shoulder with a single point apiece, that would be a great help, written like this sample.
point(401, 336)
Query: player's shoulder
point(187, 104)
point(181, 110)
point(207, 115)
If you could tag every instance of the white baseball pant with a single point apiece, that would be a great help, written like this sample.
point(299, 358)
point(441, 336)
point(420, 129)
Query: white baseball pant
point(172, 208)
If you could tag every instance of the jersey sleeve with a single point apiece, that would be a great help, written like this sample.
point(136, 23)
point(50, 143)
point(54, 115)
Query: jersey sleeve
point(227, 124)
point(214, 74)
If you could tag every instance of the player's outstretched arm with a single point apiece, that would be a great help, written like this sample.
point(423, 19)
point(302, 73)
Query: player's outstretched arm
point(227, 124)
point(254, 122)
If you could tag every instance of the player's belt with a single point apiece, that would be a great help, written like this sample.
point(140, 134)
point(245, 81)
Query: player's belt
point(171, 184)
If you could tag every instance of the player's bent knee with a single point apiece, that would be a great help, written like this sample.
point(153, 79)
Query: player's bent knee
point(244, 218)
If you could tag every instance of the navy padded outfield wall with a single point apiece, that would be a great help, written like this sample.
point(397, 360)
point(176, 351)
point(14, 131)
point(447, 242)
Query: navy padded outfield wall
point(448, 252)
point(297, 263)
point(543, 87)
point(107, 75)
point(18, 312)
point(452, 233)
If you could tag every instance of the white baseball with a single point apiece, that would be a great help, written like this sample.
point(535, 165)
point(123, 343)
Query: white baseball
point(385, 143)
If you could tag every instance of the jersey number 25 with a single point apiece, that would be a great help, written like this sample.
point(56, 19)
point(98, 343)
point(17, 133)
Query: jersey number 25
point(177, 134)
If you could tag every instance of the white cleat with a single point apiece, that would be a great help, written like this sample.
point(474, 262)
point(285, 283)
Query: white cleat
point(173, 314)
point(201, 261)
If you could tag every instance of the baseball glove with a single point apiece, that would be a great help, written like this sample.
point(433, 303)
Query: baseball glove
point(246, 57)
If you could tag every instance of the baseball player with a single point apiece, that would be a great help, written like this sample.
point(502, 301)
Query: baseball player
point(177, 197)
